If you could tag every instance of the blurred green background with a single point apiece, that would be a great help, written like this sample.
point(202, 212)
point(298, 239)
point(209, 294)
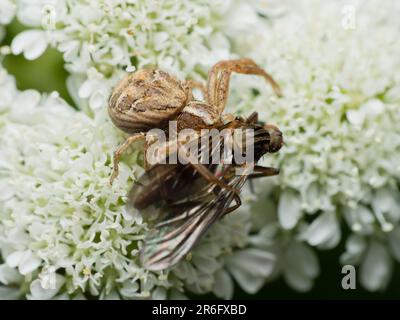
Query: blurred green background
point(47, 74)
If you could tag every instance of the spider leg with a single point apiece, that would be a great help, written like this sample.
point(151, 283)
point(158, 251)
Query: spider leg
point(219, 78)
point(121, 150)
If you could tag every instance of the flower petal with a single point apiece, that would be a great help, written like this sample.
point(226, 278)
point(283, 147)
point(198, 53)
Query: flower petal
point(29, 263)
point(300, 266)
point(8, 9)
point(159, 294)
point(9, 275)
point(355, 117)
point(289, 210)
point(250, 268)
point(376, 268)
point(207, 264)
point(38, 293)
point(223, 286)
point(32, 43)
point(355, 247)
point(14, 258)
point(323, 231)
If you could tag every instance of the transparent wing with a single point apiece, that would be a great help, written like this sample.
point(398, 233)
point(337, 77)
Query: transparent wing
point(172, 238)
point(163, 182)
point(171, 182)
point(190, 205)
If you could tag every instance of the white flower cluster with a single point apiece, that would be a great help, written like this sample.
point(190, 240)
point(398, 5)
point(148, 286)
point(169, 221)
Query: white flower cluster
point(63, 234)
point(101, 39)
point(340, 118)
point(64, 231)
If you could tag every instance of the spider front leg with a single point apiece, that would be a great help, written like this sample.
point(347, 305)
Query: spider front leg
point(219, 78)
point(121, 150)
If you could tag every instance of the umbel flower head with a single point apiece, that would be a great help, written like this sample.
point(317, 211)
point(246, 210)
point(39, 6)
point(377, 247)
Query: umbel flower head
point(64, 231)
point(101, 39)
point(340, 118)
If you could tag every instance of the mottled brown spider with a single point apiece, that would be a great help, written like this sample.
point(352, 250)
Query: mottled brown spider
point(149, 98)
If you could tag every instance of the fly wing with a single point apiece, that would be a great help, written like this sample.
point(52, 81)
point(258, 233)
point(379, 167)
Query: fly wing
point(196, 204)
point(173, 182)
point(162, 182)
point(172, 238)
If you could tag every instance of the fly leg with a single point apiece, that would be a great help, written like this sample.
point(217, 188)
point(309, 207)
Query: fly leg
point(237, 205)
point(263, 172)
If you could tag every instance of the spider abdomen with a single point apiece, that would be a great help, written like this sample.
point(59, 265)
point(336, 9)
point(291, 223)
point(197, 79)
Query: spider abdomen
point(146, 99)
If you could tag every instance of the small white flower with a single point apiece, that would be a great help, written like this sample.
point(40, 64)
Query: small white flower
point(37, 292)
point(48, 278)
point(159, 294)
point(386, 201)
point(355, 248)
point(324, 231)
point(356, 117)
point(7, 11)
point(223, 286)
point(300, 266)
point(250, 267)
point(8, 275)
point(32, 43)
point(376, 267)
point(360, 219)
point(23, 107)
point(33, 12)
point(94, 88)
point(289, 210)
point(26, 261)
